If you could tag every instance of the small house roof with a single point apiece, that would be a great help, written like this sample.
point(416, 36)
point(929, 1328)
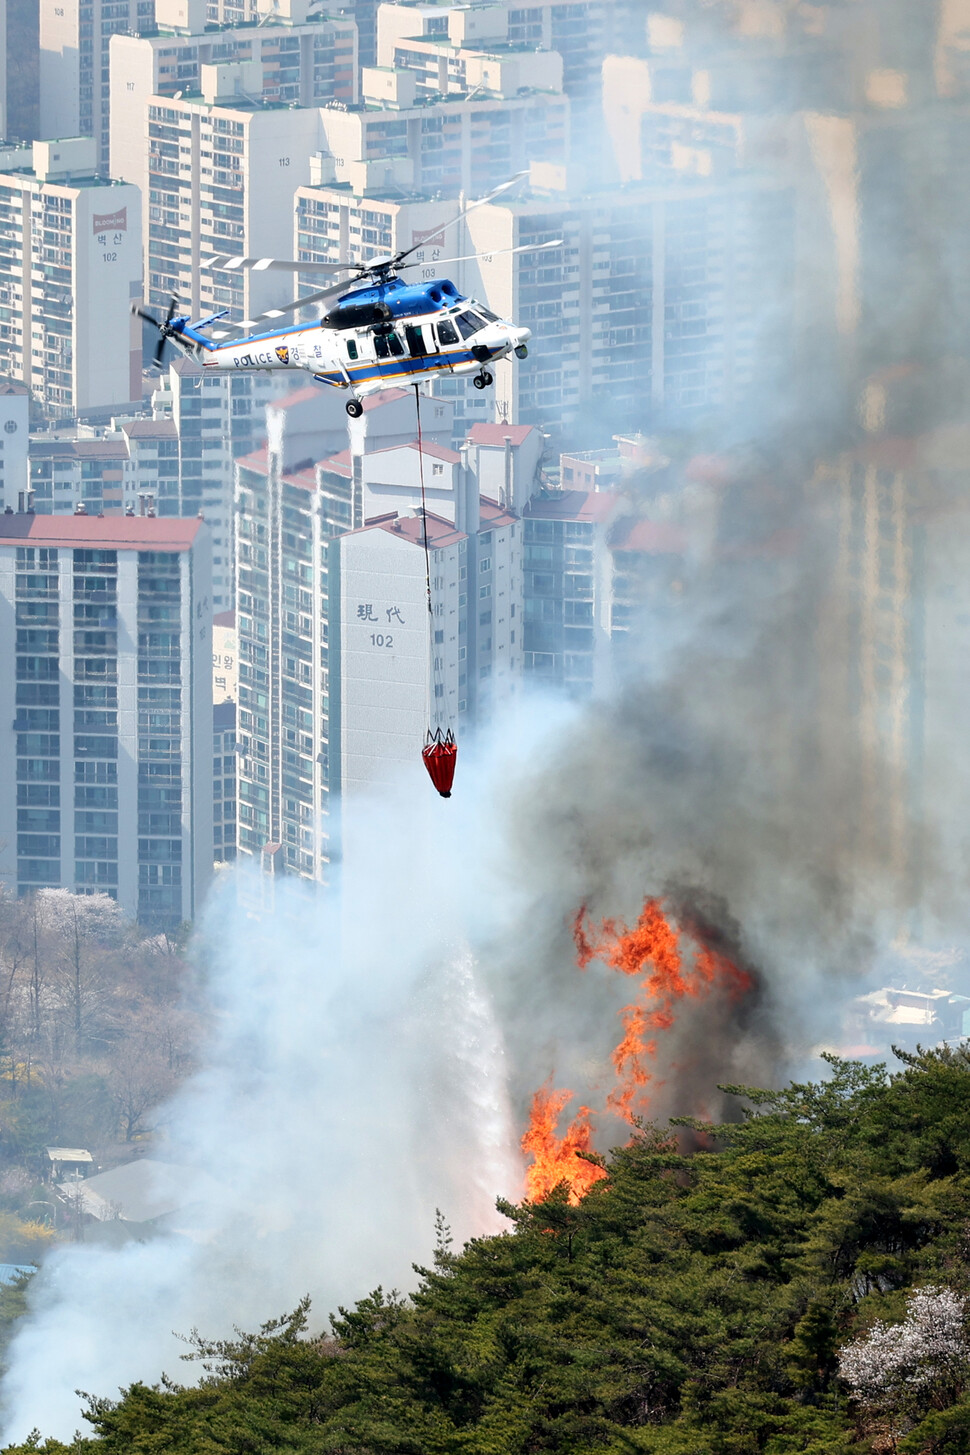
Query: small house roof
point(69, 1154)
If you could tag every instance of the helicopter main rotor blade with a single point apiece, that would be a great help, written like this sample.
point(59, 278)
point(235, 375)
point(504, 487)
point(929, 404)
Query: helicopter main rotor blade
point(490, 197)
point(230, 263)
point(245, 324)
point(498, 252)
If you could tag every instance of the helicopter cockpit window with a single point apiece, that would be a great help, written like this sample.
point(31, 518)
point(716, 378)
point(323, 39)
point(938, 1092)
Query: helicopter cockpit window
point(447, 333)
point(486, 313)
point(351, 348)
point(468, 324)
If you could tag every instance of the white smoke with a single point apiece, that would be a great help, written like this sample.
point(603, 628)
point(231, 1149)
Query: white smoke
point(354, 1082)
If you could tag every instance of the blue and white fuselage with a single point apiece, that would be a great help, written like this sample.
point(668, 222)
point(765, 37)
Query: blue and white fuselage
point(375, 336)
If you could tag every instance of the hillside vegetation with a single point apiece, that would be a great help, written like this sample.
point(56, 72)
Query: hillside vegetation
point(690, 1305)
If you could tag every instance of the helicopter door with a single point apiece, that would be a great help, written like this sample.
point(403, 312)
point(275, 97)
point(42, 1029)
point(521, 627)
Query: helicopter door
point(416, 344)
point(389, 349)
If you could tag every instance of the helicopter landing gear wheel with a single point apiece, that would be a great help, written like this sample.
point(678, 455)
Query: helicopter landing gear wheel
point(482, 380)
point(354, 408)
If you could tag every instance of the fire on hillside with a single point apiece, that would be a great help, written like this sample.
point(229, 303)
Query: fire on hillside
point(674, 963)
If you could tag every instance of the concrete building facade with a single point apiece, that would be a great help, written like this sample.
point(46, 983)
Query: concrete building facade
point(75, 83)
point(70, 266)
point(178, 462)
point(224, 760)
point(106, 674)
point(435, 39)
point(220, 177)
point(651, 309)
point(314, 522)
point(14, 444)
point(279, 62)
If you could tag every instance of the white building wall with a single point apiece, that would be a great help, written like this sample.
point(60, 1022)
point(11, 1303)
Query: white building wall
point(399, 22)
point(392, 481)
point(74, 99)
point(133, 80)
point(14, 443)
point(59, 67)
point(271, 163)
point(95, 357)
point(506, 549)
point(280, 144)
point(385, 665)
point(107, 274)
point(149, 66)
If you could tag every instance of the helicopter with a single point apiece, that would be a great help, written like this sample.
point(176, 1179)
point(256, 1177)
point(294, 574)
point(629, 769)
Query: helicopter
point(379, 331)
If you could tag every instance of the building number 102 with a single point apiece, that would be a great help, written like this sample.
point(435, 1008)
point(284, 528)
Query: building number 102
point(381, 639)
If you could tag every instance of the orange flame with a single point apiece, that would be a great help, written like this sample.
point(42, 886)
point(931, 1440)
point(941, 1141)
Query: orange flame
point(554, 1157)
point(651, 949)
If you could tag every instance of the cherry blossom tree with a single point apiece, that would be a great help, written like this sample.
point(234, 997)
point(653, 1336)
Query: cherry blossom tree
point(920, 1364)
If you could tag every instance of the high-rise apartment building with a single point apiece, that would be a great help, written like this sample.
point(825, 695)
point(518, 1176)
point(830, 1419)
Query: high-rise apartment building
point(441, 143)
point(88, 470)
point(436, 39)
point(560, 536)
point(292, 500)
point(75, 81)
point(20, 71)
point(330, 566)
point(177, 462)
point(650, 311)
point(214, 420)
point(70, 265)
point(106, 674)
point(220, 177)
point(364, 15)
point(289, 59)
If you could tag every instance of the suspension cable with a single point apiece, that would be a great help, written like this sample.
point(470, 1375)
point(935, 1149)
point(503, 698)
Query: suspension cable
point(433, 675)
point(424, 503)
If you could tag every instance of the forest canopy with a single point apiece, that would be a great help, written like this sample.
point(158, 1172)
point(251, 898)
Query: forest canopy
point(747, 1295)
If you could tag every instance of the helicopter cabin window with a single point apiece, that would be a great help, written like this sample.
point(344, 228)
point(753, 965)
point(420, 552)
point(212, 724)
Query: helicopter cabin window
point(416, 344)
point(468, 324)
point(447, 333)
point(351, 348)
point(388, 345)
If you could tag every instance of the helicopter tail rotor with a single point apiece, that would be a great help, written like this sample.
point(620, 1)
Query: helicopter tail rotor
point(165, 329)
